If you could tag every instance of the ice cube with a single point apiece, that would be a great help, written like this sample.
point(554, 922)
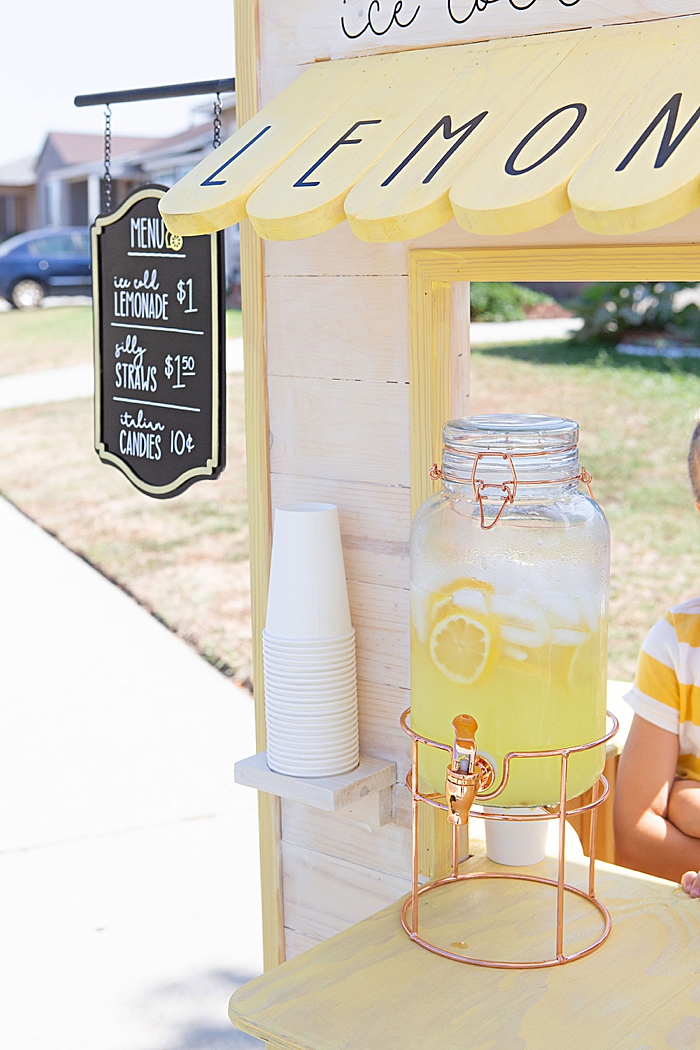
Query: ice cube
point(514, 653)
point(566, 637)
point(514, 610)
point(591, 609)
point(521, 636)
point(561, 606)
point(420, 612)
point(470, 598)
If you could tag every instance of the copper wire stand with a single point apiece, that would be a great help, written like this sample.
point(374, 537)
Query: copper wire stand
point(601, 790)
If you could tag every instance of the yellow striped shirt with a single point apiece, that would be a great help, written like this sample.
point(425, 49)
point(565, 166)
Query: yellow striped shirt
point(666, 690)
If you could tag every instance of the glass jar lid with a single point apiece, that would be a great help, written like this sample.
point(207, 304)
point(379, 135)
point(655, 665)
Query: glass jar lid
point(506, 448)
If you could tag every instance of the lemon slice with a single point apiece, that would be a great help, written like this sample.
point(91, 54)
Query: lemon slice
point(460, 647)
point(464, 582)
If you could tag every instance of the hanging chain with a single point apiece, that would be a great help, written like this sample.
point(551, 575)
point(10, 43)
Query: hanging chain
point(108, 159)
point(217, 121)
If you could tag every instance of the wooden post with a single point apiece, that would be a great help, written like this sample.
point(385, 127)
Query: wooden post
point(257, 452)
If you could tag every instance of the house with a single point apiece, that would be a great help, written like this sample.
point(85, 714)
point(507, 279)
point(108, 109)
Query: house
point(68, 175)
point(18, 210)
point(70, 166)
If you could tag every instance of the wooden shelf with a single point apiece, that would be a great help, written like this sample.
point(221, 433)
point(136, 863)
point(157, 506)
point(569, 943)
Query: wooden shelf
point(372, 776)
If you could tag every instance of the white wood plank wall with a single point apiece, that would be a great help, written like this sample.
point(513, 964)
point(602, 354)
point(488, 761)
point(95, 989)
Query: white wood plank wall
point(337, 350)
point(295, 34)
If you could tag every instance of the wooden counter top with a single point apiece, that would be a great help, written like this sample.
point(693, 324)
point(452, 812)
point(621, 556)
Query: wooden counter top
point(371, 988)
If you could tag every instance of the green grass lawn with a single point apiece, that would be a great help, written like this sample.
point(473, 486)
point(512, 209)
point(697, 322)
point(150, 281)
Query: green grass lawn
point(185, 559)
point(32, 340)
point(636, 418)
point(234, 324)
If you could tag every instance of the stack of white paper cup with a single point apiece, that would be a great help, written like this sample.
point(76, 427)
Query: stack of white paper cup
point(309, 647)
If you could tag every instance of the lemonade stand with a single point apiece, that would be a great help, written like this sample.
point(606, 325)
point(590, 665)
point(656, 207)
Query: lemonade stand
point(388, 154)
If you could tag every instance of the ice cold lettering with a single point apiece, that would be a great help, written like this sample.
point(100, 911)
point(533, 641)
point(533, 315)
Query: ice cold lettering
point(143, 300)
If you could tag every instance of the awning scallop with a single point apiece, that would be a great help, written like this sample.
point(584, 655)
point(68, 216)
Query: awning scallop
point(505, 136)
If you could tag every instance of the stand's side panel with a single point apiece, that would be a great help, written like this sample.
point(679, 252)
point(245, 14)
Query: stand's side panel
point(257, 428)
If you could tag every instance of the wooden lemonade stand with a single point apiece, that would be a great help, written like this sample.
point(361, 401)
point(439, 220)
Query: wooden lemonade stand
point(388, 154)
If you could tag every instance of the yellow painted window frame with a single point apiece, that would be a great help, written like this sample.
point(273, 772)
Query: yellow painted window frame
point(432, 272)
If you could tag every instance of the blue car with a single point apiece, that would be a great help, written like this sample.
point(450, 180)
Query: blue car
point(52, 261)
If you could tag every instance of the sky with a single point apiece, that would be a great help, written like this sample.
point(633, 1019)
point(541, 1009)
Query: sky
point(52, 50)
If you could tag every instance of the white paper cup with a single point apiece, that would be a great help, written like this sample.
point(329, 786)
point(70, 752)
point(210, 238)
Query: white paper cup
point(311, 702)
point(312, 756)
point(319, 729)
point(308, 595)
point(329, 769)
point(307, 645)
point(316, 656)
point(326, 723)
point(333, 737)
point(516, 843)
point(312, 752)
point(310, 663)
point(340, 662)
point(299, 696)
point(303, 712)
point(298, 692)
point(277, 665)
point(280, 720)
point(312, 679)
point(297, 685)
point(328, 727)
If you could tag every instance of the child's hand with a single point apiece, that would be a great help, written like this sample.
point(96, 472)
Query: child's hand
point(691, 883)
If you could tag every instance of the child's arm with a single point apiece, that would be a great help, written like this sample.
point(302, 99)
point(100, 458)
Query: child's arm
point(684, 807)
point(645, 839)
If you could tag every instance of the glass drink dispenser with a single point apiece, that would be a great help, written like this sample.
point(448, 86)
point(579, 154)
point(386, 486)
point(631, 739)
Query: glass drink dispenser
point(509, 596)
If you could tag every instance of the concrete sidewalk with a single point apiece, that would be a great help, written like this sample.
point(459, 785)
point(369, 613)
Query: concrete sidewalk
point(505, 333)
point(129, 896)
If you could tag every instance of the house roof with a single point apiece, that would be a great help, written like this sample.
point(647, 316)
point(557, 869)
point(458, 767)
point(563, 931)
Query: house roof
point(77, 148)
point(191, 135)
point(18, 172)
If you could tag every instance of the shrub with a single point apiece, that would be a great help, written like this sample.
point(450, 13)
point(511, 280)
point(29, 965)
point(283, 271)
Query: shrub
point(500, 301)
point(609, 310)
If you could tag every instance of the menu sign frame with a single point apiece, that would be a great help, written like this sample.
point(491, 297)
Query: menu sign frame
point(160, 348)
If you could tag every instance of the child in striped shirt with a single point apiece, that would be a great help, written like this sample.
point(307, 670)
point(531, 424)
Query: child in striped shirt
point(657, 795)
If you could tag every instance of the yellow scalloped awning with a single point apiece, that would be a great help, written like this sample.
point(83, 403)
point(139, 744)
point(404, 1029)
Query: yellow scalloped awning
point(505, 136)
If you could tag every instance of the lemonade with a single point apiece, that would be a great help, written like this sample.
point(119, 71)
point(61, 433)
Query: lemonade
point(526, 658)
point(510, 570)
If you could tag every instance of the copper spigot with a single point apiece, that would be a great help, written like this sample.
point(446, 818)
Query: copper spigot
point(467, 773)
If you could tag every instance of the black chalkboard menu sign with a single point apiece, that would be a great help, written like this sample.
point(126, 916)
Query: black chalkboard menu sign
point(160, 380)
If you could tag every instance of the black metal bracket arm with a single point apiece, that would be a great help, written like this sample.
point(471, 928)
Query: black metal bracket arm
point(197, 87)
